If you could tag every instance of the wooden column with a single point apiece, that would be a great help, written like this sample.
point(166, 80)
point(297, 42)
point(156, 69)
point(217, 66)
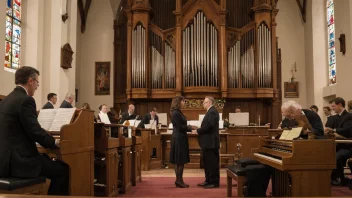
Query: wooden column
point(223, 49)
point(129, 53)
point(178, 61)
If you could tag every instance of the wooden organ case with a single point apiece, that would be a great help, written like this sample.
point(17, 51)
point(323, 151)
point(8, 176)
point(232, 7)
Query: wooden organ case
point(223, 48)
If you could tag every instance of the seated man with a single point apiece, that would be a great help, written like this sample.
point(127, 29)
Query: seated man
point(52, 99)
point(342, 130)
point(238, 109)
point(67, 103)
point(291, 110)
point(331, 119)
point(103, 114)
point(19, 132)
point(148, 117)
point(129, 115)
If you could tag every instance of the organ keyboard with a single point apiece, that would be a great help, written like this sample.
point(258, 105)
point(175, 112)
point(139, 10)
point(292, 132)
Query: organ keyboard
point(301, 167)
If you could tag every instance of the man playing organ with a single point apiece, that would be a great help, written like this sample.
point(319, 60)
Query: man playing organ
point(295, 116)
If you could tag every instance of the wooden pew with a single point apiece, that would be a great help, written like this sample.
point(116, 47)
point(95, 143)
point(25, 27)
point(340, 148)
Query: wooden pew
point(151, 141)
point(136, 174)
point(77, 150)
point(106, 162)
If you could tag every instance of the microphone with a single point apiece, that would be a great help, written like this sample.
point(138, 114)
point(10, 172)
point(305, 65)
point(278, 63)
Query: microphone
point(137, 116)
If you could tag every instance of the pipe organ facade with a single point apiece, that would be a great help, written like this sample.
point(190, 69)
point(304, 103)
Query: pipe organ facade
point(224, 48)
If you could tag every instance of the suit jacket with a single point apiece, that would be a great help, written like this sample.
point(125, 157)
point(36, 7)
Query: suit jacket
point(48, 105)
point(208, 133)
point(65, 104)
point(332, 121)
point(146, 120)
point(344, 124)
point(125, 116)
point(19, 132)
point(315, 121)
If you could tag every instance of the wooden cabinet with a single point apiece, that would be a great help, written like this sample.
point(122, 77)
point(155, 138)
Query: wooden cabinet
point(152, 149)
point(106, 162)
point(125, 164)
point(112, 163)
point(241, 140)
point(136, 160)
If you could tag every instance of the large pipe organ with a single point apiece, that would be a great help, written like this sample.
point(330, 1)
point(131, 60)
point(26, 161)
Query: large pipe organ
point(223, 48)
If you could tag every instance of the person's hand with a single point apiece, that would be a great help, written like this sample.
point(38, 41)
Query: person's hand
point(194, 127)
point(194, 132)
point(57, 142)
point(328, 130)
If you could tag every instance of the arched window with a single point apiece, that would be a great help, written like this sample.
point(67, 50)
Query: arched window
point(13, 35)
point(331, 41)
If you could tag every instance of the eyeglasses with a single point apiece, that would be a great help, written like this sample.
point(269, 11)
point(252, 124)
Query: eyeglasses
point(36, 80)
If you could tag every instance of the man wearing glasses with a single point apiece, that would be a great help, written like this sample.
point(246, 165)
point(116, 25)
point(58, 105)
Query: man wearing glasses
point(208, 139)
point(19, 132)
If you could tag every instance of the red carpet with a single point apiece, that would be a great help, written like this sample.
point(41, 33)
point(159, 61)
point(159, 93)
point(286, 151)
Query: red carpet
point(165, 187)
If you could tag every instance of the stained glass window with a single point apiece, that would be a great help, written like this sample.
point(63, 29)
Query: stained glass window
point(13, 35)
point(331, 41)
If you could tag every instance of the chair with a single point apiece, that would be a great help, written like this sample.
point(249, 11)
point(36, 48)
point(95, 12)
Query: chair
point(12, 185)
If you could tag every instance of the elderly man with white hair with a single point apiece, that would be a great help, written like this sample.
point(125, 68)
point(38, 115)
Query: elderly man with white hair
point(291, 110)
point(67, 103)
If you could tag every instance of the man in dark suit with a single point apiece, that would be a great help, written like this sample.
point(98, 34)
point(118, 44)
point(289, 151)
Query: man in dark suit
point(148, 117)
point(208, 139)
point(129, 115)
point(331, 119)
point(342, 130)
point(52, 99)
point(291, 110)
point(67, 103)
point(19, 132)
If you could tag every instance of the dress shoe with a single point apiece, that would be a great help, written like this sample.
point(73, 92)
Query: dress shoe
point(336, 182)
point(181, 185)
point(203, 184)
point(211, 186)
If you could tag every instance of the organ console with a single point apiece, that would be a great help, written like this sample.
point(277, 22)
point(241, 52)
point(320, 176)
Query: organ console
point(77, 150)
point(301, 167)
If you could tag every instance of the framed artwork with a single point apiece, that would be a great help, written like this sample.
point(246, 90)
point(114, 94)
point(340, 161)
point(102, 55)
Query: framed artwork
point(291, 89)
point(102, 78)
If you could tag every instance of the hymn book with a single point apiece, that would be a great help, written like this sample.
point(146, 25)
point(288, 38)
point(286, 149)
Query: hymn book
point(291, 134)
point(54, 119)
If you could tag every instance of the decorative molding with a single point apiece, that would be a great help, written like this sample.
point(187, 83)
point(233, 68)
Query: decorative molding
point(198, 103)
point(302, 8)
point(66, 56)
point(83, 11)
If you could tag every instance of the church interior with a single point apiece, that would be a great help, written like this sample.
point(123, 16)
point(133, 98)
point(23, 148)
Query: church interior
point(120, 64)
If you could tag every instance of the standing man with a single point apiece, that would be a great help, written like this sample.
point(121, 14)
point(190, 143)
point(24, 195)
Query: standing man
point(52, 99)
point(208, 139)
point(129, 115)
point(19, 132)
point(67, 103)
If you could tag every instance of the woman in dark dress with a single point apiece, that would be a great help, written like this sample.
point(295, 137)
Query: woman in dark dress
point(179, 154)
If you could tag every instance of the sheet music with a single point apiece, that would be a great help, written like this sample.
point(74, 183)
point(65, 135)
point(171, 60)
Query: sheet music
point(162, 118)
point(201, 117)
point(294, 133)
point(284, 134)
point(62, 117)
point(152, 124)
point(291, 134)
point(221, 124)
point(46, 117)
point(239, 119)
